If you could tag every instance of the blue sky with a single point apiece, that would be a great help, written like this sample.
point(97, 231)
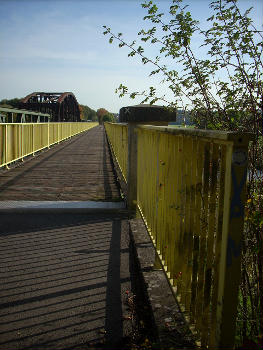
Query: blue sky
point(59, 45)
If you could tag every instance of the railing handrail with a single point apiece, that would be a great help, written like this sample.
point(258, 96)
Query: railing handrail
point(118, 124)
point(23, 111)
point(50, 123)
point(209, 134)
point(204, 133)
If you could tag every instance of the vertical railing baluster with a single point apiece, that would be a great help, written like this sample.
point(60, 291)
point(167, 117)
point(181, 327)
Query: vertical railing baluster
point(234, 203)
point(212, 343)
point(203, 234)
point(186, 244)
point(33, 148)
point(212, 206)
point(6, 153)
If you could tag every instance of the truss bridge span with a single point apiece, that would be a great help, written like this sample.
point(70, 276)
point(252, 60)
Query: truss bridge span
point(62, 106)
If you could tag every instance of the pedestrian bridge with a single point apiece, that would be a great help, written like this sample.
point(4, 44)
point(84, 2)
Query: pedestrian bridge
point(65, 278)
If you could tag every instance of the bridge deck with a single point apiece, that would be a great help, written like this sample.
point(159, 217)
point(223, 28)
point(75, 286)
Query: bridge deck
point(63, 276)
point(79, 169)
point(63, 280)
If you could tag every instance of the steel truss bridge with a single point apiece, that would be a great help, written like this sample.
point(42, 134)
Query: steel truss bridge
point(62, 106)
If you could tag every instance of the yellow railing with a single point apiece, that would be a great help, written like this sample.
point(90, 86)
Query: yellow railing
point(18, 140)
point(191, 194)
point(118, 139)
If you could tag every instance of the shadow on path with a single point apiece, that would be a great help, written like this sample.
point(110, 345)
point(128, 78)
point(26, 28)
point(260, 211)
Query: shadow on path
point(46, 300)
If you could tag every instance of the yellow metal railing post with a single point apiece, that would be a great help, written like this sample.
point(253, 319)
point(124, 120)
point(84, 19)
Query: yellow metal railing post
point(118, 139)
point(48, 141)
point(231, 249)
point(135, 115)
point(33, 139)
point(132, 167)
point(22, 142)
point(6, 147)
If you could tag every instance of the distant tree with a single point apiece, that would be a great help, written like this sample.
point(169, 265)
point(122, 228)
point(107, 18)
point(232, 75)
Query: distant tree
point(109, 117)
point(14, 102)
point(81, 112)
point(87, 113)
point(93, 116)
point(101, 112)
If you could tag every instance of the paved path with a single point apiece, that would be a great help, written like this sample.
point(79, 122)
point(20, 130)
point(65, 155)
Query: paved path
point(63, 280)
point(63, 275)
point(79, 169)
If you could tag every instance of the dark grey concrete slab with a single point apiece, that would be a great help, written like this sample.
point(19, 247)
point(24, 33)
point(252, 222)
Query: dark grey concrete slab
point(60, 206)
